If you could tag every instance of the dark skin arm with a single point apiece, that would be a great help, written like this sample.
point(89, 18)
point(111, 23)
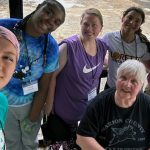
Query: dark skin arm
point(50, 95)
point(45, 95)
point(40, 96)
point(52, 84)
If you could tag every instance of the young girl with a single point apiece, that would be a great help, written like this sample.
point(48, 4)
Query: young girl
point(128, 43)
point(9, 54)
point(76, 82)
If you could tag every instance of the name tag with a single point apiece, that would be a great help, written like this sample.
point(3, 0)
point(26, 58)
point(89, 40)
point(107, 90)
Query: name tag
point(92, 94)
point(30, 87)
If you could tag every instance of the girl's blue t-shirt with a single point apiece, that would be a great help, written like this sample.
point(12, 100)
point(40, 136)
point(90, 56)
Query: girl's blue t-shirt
point(31, 63)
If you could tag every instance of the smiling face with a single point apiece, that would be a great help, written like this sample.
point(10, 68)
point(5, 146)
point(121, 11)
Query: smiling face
point(8, 60)
point(47, 18)
point(128, 86)
point(90, 26)
point(132, 21)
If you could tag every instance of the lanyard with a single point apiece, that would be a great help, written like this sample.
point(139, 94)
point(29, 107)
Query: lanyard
point(27, 69)
point(124, 46)
point(89, 61)
point(29, 63)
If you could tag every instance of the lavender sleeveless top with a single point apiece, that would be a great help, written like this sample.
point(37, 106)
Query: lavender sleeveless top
point(79, 76)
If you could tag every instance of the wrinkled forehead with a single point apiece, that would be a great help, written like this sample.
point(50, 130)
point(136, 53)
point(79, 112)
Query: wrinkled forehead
point(129, 74)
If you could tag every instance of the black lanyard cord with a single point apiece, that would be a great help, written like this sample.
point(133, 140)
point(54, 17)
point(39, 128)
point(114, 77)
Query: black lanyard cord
point(43, 53)
point(124, 46)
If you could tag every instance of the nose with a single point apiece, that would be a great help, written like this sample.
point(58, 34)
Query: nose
point(128, 83)
point(89, 27)
point(51, 21)
point(51, 24)
point(132, 22)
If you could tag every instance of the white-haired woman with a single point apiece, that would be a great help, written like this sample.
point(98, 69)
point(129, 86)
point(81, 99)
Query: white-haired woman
point(118, 117)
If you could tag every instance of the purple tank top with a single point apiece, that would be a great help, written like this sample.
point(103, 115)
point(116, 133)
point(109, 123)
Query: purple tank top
point(76, 79)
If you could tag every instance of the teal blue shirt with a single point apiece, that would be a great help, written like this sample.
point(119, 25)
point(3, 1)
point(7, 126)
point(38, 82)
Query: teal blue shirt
point(3, 112)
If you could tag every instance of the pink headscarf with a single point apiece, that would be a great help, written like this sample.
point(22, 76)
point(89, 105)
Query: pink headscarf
point(8, 35)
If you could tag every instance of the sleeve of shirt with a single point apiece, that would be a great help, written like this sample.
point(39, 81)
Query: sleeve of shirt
point(3, 108)
point(146, 56)
point(9, 23)
point(52, 55)
point(90, 123)
point(104, 38)
point(143, 51)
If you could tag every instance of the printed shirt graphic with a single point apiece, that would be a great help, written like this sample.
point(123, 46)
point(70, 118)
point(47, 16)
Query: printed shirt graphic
point(122, 134)
point(88, 70)
point(115, 127)
point(74, 82)
point(119, 52)
point(31, 55)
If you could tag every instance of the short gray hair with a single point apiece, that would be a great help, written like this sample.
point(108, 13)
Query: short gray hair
point(133, 67)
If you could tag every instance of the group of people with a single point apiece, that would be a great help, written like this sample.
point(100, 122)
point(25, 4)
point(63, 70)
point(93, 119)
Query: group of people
point(63, 81)
point(30, 81)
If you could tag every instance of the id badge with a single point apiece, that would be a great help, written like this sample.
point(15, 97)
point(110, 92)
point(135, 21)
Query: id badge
point(92, 94)
point(30, 87)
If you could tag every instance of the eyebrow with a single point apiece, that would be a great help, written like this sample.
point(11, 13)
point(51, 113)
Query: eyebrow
point(10, 53)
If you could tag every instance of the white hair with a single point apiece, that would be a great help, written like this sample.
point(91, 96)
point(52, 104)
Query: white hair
point(133, 68)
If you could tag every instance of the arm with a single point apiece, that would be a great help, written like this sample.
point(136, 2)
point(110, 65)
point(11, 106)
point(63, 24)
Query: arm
point(52, 84)
point(50, 95)
point(39, 98)
point(90, 125)
point(106, 59)
point(47, 84)
point(105, 67)
point(88, 143)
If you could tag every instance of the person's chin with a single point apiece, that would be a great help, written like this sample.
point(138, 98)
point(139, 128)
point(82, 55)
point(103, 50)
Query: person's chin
point(125, 93)
point(40, 29)
point(128, 28)
point(89, 36)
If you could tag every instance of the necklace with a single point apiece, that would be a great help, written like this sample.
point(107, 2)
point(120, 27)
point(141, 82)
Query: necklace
point(123, 47)
point(26, 69)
